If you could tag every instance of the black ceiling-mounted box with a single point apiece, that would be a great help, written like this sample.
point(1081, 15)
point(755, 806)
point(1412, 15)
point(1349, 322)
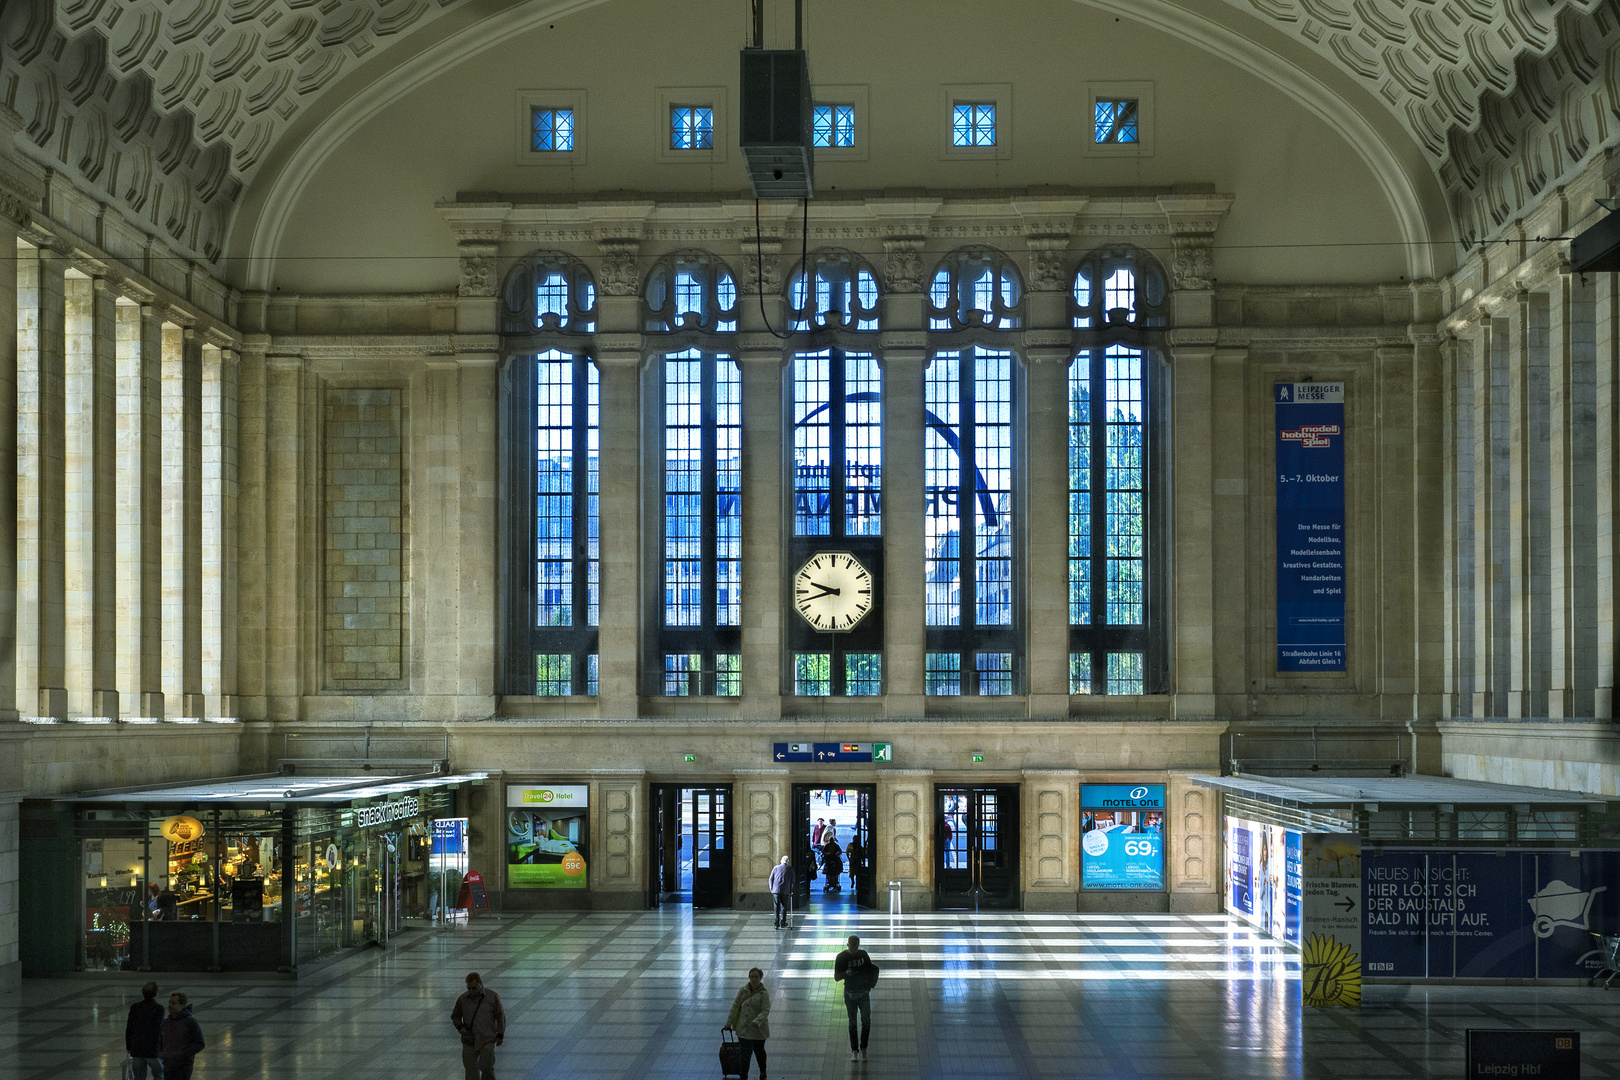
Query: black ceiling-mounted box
point(1598, 248)
point(776, 123)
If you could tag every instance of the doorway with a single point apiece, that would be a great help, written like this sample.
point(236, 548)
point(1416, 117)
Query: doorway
point(845, 813)
point(976, 847)
point(691, 852)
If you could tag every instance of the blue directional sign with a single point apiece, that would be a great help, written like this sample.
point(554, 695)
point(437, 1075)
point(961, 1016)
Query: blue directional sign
point(843, 753)
point(792, 751)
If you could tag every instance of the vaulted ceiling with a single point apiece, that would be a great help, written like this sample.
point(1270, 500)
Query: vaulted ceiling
point(171, 110)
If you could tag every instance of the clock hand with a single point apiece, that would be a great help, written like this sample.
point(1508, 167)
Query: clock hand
point(825, 590)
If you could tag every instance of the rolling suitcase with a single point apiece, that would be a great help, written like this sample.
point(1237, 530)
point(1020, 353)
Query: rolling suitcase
point(731, 1054)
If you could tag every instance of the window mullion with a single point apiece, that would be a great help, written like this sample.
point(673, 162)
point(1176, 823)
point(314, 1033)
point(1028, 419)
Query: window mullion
point(1099, 520)
point(966, 510)
point(709, 509)
point(579, 472)
point(836, 465)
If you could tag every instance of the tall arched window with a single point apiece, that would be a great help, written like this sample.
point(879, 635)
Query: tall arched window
point(836, 405)
point(550, 523)
point(971, 398)
point(1115, 594)
point(697, 644)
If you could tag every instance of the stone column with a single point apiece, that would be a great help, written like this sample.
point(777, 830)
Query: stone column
point(1572, 458)
point(90, 502)
point(1492, 570)
point(252, 581)
point(182, 521)
point(1431, 583)
point(903, 814)
point(1528, 498)
point(904, 619)
point(1046, 530)
point(41, 680)
point(476, 427)
point(762, 467)
point(130, 467)
point(1192, 464)
point(284, 516)
point(10, 207)
point(619, 638)
point(1607, 340)
point(763, 814)
point(1396, 585)
point(1458, 411)
point(1228, 530)
point(219, 553)
point(1050, 801)
point(435, 526)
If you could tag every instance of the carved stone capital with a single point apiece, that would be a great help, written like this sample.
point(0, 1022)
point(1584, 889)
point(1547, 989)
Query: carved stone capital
point(902, 267)
point(761, 257)
point(1194, 265)
point(619, 276)
point(1047, 256)
point(477, 269)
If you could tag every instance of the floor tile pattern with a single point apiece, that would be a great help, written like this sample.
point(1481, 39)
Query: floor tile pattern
point(641, 996)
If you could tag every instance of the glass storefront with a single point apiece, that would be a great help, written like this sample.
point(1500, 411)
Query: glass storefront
point(181, 887)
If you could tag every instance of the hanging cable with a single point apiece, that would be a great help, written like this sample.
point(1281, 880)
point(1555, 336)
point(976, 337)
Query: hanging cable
point(759, 276)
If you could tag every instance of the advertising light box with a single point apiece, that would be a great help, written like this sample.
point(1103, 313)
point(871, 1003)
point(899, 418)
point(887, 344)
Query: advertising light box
point(546, 836)
point(1122, 836)
point(1263, 877)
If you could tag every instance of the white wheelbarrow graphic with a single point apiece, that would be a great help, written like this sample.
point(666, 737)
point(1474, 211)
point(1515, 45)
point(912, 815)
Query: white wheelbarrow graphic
point(1561, 904)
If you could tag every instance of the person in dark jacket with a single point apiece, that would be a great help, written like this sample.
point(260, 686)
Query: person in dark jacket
point(479, 1018)
point(854, 968)
point(143, 1034)
point(832, 860)
point(781, 884)
point(181, 1039)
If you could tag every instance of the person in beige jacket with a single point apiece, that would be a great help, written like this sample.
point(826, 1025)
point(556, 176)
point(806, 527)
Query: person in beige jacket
point(750, 1019)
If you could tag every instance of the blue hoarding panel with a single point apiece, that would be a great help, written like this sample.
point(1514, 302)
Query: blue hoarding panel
point(1394, 903)
point(1490, 924)
point(1293, 886)
point(1122, 796)
point(1310, 526)
point(1573, 898)
point(1241, 842)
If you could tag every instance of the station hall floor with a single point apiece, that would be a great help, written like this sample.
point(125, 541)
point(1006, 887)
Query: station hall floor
point(643, 995)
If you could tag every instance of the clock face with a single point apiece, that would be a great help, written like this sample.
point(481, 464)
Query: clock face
point(832, 591)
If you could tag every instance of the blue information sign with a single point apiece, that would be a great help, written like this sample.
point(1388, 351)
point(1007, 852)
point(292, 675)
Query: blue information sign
point(843, 752)
point(1310, 526)
point(793, 751)
point(1122, 836)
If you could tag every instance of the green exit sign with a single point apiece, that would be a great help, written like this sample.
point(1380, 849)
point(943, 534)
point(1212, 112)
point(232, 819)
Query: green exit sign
point(882, 751)
point(688, 758)
point(978, 759)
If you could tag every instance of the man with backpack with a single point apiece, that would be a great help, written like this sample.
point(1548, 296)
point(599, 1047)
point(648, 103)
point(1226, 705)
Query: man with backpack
point(856, 971)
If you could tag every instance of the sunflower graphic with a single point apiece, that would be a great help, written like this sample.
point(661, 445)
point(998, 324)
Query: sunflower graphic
point(1331, 973)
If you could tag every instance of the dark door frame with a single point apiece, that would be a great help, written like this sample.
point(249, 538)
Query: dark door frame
point(663, 848)
point(865, 887)
point(990, 876)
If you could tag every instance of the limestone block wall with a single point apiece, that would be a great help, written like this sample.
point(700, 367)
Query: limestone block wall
point(1051, 813)
point(366, 561)
point(905, 835)
point(761, 830)
point(1567, 756)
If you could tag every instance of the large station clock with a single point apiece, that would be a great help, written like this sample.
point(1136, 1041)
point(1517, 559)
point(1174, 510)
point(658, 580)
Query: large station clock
point(832, 591)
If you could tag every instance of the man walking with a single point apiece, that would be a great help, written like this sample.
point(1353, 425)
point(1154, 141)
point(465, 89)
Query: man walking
point(479, 1018)
point(143, 1035)
point(180, 1039)
point(856, 971)
point(781, 885)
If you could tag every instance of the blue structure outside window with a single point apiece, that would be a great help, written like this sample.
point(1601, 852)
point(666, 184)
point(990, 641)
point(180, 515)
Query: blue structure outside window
point(832, 126)
point(691, 127)
point(553, 130)
point(1116, 122)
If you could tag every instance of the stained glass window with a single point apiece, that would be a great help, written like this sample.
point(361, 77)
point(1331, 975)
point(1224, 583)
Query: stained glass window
point(702, 519)
point(1116, 122)
point(553, 130)
point(691, 127)
point(969, 569)
point(832, 126)
point(973, 123)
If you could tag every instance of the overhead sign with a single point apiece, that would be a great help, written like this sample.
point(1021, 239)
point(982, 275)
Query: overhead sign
point(1545, 1055)
point(386, 813)
point(1310, 526)
point(882, 751)
point(1122, 796)
point(181, 829)
point(793, 751)
point(843, 753)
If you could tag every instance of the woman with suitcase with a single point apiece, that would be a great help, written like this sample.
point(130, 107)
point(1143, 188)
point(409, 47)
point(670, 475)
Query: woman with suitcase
point(750, 1019)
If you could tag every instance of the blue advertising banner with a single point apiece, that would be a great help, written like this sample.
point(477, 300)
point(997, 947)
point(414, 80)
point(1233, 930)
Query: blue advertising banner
point(1240, 868)
point(1310, 526)
point(1475, 914)
point(1293, 887)
point(1122, 836)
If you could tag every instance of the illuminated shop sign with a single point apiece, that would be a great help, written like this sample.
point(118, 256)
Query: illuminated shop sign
point(369, 816)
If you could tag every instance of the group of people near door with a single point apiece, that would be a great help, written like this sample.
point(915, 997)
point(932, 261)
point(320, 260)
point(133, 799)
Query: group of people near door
point(830, 856)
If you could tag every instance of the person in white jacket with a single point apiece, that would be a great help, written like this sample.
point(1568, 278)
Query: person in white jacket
point(750, 1019)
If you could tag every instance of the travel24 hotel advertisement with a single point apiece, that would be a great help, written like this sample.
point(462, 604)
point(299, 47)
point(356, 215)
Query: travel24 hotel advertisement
point(546, 833)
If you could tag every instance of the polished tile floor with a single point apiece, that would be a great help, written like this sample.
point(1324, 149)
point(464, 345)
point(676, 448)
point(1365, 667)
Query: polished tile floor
point(643, 995)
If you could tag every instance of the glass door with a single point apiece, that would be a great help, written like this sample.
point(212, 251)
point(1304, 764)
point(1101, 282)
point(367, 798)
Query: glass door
point(976, 846)
point(706, 837)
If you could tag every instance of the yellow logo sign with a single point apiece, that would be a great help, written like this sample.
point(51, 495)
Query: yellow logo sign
point(1330, 973)
point(539, 795)
point(178, 830)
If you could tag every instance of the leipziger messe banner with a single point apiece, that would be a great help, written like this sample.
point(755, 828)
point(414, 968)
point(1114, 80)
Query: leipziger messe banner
point(1310, 526)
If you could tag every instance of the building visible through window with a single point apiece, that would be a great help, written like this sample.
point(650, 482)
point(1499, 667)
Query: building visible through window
point(553, 130)
point(1116, 122)
point(973, 123)
point(832, 126)
point(691, 127)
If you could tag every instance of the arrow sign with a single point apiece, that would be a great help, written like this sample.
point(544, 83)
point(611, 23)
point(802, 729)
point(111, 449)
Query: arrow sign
point(1345, 902)
point(785, 752)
